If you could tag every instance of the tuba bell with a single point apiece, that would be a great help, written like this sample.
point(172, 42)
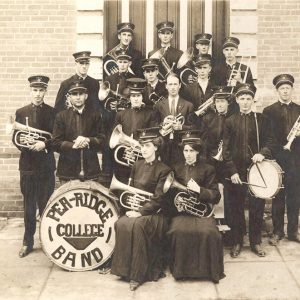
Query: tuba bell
point(219, 156)
point(26, 136)
point(127, 150)
point(132, 198)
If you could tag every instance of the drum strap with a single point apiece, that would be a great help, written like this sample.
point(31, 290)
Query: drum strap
point(257, 131)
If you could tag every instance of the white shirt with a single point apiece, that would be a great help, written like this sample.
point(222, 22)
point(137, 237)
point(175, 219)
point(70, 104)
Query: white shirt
point(203, 84)
point(287, 103)
point(170, 102)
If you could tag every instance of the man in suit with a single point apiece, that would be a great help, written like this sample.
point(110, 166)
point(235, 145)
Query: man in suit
point(230, 72)
point(125, 36)
point(82, 63)
point(170, 54)
point(155, 89)
point(36, 164)
point(171, 107)
point(283, 115)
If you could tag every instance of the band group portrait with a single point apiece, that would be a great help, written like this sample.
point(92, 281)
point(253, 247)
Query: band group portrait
point(167, 139)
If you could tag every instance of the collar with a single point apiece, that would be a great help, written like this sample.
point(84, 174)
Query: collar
point(37, 106)
point(166, 47)
point(246, 114)
point(138, 108)
point(79, 111)
point(80, 77)
point(230, 65)
point(284, 103)
point(191, 165)
point(154, 84)
point(150, 163)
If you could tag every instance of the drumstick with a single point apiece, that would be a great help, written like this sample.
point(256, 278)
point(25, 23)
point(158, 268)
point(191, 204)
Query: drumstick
point(256, 164)
point(247, 183)
point(81, 173)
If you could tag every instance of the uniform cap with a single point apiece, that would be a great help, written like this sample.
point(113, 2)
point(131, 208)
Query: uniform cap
point(283, 79)
point(245, 88)
point(167, 25)
point(82, 55)
point(123, 27)
point(190, 137)
point(203, 38)
point(223, 92)
point(231, 42)
point(77, 86)
point(136, 85)
point(150, 63)
point(147, 134)
point(202, 59)
point(38, 81)
point(123, 54)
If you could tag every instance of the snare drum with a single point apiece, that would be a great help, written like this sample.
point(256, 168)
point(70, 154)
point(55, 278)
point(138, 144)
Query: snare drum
point(272, 174)
point(77, 227)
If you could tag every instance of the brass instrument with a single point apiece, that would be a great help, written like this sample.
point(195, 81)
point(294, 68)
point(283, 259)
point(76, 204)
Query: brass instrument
point(186, 57)
point(155, 98)
point(187, 200)
point(203, 108)
point(292, 134)
point(26, 136)
point(235, 71)
point(219, 156)
point(121, 101)
point(132, 198)
point(169, 122)
point(126, 153)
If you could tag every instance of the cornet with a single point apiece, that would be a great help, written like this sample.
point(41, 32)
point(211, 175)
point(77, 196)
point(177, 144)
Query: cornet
point(127, 150)
point(292, 134)
point(169, 122)
point(219, 156)
point(203, 108)
point(187, 200)
point(154, 98)
point(132, 198)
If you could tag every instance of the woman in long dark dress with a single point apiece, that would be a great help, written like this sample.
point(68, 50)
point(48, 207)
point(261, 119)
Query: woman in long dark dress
point(196, 244)
point(140, 235)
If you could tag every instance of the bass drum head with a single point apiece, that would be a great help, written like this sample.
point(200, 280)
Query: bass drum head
point(77, 227)
point(272, 175)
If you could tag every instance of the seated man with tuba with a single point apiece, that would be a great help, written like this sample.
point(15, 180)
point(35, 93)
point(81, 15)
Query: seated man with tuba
point(32, 135)
point(140, 233)
point(196, 249)
point(138, 116)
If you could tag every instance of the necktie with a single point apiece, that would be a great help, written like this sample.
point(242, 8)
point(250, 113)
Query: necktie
point(173, 110)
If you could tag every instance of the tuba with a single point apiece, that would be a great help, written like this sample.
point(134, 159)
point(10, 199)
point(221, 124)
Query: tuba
point(169, 121)
point(121, 101)
point(219, 156)
point(26, 136)
point(132, 198)
point(292, 134)
point(187, 200)
point(126, 153)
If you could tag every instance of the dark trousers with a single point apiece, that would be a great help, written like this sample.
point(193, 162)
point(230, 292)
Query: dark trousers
point(36, 190)
point(236, 216)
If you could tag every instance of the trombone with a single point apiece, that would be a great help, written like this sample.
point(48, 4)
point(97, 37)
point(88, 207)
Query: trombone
point(235, 71)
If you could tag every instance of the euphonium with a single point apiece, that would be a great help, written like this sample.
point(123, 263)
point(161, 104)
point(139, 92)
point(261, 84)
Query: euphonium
point(26, 136)
point(132, 198)
point(169, 121)
point(127, 149)
point(292, 134)
point(219, 156)
point(187, 200)
point(159, 54)
point(203, 108)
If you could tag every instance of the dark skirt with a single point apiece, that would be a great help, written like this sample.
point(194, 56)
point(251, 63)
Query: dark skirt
point(196, 248)
point(139, 248)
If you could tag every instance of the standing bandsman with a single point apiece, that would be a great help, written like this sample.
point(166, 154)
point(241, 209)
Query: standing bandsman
point(125, 36)
point(77, 137)
point(155, 89)
point(231, 72)
point(283, 115)
point(166, 52)
point(82, 64)
point(36, 162)
point(202, 89)
point(247, 138)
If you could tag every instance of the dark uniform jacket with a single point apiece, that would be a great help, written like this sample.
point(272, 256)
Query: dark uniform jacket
point(221, 73)
point(42, 118)
point(119, 78)
point(150, 177)
point(194, 93)
point(159, 90)
point(69, 124)
point(171, 56)
point(240, 141)
point(133, 119)
point(92, 86)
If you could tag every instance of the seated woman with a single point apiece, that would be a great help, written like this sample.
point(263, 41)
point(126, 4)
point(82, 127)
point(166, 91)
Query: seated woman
point(195, 242)
point(140, 234)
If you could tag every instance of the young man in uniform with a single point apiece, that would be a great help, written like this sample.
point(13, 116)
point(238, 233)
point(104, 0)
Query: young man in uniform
point(36, 164)
point(247, 138)
point(77, 137)
point(283, 115)
point(82, 64)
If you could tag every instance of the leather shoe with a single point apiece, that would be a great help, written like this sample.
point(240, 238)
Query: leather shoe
point(258, 250)
point(24, 251)
point(274, 240)
point(295, 238)
point(236, 250)
point(133, 285)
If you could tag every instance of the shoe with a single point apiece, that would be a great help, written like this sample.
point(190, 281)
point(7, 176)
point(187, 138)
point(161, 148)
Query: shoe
point(236, 250)
point(295, 238)
point(24, 251)
point(258, 250)
point(133, 285)
point(274, 239)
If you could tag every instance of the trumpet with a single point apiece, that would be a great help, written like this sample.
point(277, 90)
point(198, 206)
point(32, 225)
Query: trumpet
point(292, 134)
point(128, 150)
point(169, 122)
point(203, 108)
point(219, 156)
point(187, 200)
point(121, 101)
point(132, 198)
point(26, 136)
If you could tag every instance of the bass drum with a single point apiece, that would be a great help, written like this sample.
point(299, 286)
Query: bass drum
point(77, 227)
point(267, 171)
